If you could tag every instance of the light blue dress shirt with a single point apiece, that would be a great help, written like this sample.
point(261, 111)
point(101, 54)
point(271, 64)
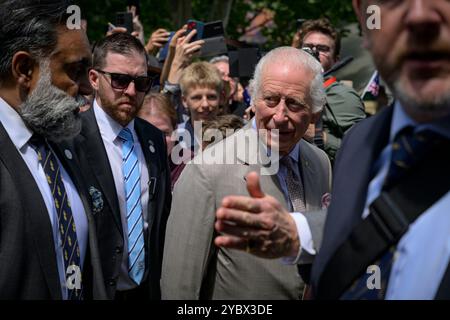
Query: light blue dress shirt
point(20, 136)
point(423, 252)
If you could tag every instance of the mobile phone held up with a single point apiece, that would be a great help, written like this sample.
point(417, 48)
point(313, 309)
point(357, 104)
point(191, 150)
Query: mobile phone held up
point(125, 20)
point(195, 25)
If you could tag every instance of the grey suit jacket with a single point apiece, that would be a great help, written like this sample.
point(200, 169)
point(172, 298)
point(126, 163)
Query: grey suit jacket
point(193, 268)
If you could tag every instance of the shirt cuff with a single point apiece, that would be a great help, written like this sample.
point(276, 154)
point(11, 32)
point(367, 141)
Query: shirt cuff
point(306, 251)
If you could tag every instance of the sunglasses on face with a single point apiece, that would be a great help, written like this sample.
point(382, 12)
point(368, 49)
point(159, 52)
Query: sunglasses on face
point(317, 47)
point(121, 81)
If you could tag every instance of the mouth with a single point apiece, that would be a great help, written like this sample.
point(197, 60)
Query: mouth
point(426, 61)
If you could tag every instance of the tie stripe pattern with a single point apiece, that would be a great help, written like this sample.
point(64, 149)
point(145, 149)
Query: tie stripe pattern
point(66, 223)
point(294, 186)
point(135, 223)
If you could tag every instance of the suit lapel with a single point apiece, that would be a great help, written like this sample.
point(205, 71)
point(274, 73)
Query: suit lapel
point(152, 161)
point(38, 221)
point(248, 155)
point(309, 177)
point(92, 142)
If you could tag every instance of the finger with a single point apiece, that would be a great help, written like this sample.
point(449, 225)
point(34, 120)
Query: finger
point(231, 242)
point(135, 34)
point(190, 35)
point(242, 203)
point(243, 219)
point(242, 232)
point(117, 30)
point(253, 185)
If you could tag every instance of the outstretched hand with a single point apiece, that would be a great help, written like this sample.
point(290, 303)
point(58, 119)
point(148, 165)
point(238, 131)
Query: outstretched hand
point(258, 224)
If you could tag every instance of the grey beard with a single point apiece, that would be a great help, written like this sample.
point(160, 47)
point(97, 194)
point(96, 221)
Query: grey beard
point(439, 105)
point(49, 111)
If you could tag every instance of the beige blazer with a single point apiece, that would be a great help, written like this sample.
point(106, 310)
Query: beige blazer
point(193, 267)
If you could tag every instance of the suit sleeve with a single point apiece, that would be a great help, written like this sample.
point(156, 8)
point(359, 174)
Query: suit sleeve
point(189, 235)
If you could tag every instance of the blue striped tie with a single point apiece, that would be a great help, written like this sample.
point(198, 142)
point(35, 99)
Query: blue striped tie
point(135, 223)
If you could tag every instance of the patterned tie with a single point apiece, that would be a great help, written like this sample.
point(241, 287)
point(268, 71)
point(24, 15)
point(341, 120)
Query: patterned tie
point(66, 223)
point(408, 149)
point(294, 186)
point(135, 223)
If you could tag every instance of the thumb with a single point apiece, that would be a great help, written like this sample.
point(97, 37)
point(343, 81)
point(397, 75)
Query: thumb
point(253, 185)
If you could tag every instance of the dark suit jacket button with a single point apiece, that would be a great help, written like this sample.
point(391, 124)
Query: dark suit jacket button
point(112, 282)
point(119, 249)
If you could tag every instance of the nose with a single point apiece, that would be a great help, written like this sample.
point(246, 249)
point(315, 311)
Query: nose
point(131, 89)
point(423, 19)
point(204, 102)
point(281, 111)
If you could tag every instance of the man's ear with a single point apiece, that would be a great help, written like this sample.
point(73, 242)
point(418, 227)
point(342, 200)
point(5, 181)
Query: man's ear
point(25, 70)
point(94, 79)
point(359, 9)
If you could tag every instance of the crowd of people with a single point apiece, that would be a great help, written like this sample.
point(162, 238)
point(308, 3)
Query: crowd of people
point(125, 176)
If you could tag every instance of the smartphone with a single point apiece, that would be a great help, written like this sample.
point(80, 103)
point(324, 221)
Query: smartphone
point(125, 20)
point(197, 25)
point(162, 55)
point(299, 23)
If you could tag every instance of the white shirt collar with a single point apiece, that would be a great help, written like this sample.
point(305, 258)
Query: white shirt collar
point(18, 132)
point(109, 128)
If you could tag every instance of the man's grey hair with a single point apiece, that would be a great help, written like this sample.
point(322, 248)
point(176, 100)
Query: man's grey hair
point(295, 59)
point(220, 59)
point(31, 26)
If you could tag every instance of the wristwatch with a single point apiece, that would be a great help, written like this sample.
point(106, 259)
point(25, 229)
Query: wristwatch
point(171, 88)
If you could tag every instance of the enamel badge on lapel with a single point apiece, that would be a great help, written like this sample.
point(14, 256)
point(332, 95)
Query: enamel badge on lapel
point(97, 199)
point(151, 146)
point(68, 154)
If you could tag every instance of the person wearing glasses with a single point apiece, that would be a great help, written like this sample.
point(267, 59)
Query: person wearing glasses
point(124, 163)
point(344, 107)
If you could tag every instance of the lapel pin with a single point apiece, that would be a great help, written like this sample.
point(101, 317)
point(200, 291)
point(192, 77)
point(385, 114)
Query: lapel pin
point(151, 147)
point(68, 154)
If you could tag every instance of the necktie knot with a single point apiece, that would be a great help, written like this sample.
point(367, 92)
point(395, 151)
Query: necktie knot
point(126, 135)
point(409, 149)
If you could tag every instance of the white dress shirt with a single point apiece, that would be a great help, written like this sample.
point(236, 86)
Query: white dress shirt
point(20, 136)
point(109, 130)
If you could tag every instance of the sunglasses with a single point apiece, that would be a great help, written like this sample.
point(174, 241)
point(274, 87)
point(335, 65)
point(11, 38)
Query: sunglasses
point(121, 81)
point(318, 47)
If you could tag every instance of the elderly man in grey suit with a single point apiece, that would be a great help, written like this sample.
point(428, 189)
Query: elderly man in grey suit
point(287, 96)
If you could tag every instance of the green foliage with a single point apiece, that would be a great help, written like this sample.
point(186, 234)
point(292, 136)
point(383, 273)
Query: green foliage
point(157, 13)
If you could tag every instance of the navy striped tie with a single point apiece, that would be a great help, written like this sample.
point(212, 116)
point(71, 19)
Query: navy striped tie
point(66, 223)
point(135, 223)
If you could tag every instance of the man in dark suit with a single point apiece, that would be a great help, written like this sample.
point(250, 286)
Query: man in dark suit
point(390, 203)
point(124, 162)
point(48, 247)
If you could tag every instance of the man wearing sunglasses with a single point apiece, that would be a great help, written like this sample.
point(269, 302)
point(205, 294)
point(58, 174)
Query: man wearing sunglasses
point(124, 162)
point(344, 107)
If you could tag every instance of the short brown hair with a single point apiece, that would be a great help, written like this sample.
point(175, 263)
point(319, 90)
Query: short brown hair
point(201, 74)
point(324, 26)
point(162, 104)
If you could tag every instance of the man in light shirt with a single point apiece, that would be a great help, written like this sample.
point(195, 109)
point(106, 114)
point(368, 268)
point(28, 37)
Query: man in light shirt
point(124, 162)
